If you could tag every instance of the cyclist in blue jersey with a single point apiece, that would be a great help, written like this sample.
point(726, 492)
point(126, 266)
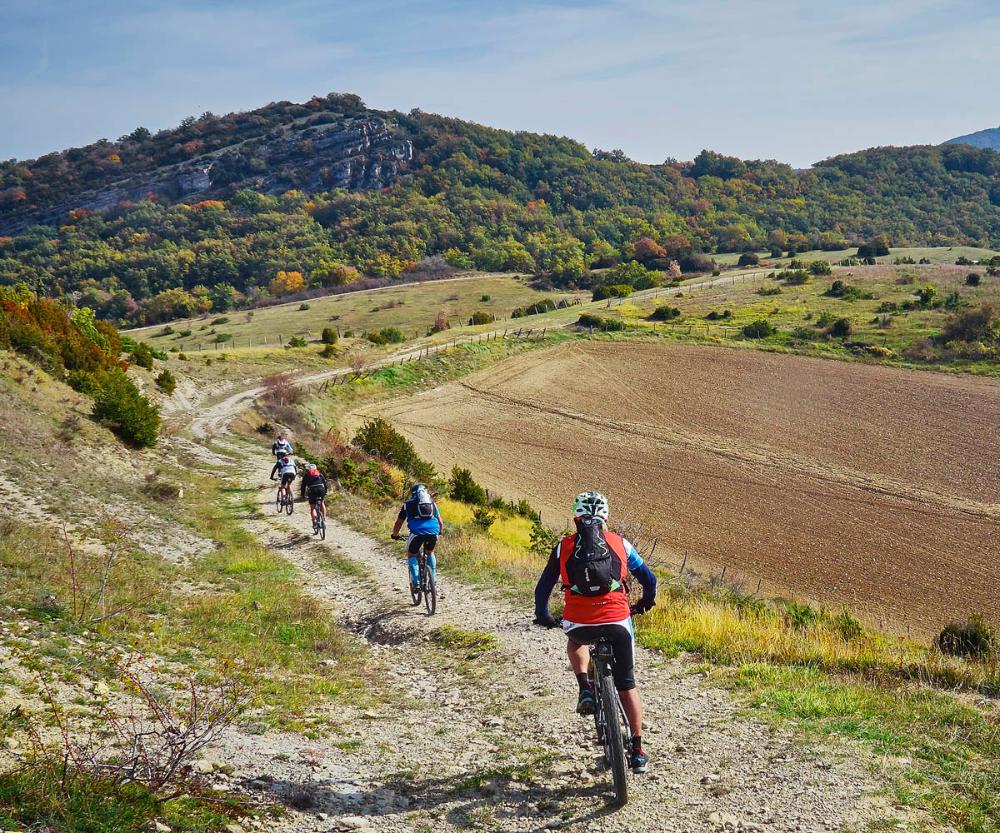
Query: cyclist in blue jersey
point(423, 520)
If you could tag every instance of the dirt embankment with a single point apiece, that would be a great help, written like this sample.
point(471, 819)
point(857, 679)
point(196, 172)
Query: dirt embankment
point(859, 485)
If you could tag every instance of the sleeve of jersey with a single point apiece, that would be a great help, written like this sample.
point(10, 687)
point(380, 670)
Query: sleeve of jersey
point(546, 584)
point(638, 568)
point(402, 513)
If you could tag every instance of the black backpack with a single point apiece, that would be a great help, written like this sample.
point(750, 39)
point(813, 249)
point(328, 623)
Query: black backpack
point(592, 567)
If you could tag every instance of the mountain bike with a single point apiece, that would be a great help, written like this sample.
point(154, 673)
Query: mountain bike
point(613, 731)
point(284, 500)
point(319, 522)
point(425, 589)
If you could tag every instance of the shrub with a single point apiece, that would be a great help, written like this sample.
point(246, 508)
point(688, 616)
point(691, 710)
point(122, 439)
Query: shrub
point(142, 355)
point(748, 259)
point(803, 334)
point(972, 279)
point(484, 298)
point(222, 319)
point(665, 313)
point(441, 323)
point(765, 291)
point(926, 295)
point(973, 639)
point(616, 290)
point(972, 325)
point(841, 328)
point(820, 267)
point(387, 335)
point(296, 341)
point(825, 319)
point(761, 328)
point(381, 440)
point(265, 428)
point(715, 315)
point(166, 381)
point(595, 322)
point(168, 330)
point(794, 277)
point(222, 338)
point(463, 487)
point(329, 335)
point(483, 518)
point(131, 415)
point(542, 540)
point(480, 317)
point(328, 352)
point(303, 307)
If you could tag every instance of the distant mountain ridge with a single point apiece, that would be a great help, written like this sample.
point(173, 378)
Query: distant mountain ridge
point(235, 209)
point(988, 138)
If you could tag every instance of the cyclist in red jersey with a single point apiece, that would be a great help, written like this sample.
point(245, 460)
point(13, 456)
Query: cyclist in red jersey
point(593, 566)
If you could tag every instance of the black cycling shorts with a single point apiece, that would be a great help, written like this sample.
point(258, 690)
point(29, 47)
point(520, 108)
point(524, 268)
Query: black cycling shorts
point(623, 665)
point(428, 542)
point(287, 478)
point(315, 496)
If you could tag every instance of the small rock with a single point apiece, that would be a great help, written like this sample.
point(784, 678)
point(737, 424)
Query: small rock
point(353, 823)
point(160, 827)
point(233, 827)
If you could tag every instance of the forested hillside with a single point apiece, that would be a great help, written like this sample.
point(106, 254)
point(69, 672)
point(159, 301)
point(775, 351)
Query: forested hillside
point(230, 210)
point(988, 138)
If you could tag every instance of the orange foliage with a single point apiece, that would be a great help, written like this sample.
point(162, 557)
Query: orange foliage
point(79, 213)
point(199, 206)
point(648, 249)
point(285, 283)
point(192, 147)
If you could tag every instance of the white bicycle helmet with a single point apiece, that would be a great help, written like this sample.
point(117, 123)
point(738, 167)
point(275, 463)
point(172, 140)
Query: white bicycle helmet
point(591, 505)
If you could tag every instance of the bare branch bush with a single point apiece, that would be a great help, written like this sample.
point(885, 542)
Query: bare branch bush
point(280, 390)
point(145, 739)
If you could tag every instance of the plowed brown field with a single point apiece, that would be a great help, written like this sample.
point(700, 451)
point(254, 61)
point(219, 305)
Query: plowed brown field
point(865, 486)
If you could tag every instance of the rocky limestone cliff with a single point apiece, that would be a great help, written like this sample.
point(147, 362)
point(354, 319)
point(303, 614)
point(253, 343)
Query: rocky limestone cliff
point(357, 154)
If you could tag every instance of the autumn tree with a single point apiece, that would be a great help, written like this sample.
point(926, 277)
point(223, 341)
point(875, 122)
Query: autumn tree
point(285, 283)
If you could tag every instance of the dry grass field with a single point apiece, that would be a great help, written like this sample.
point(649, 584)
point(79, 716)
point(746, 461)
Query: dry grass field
point(856, 485)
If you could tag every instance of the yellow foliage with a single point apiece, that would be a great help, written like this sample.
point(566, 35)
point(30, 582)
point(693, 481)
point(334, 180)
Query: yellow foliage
point(285, 283)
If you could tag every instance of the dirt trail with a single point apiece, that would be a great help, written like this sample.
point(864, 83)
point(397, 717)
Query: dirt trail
point(493, 743)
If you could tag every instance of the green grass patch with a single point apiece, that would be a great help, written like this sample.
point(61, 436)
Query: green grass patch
point(950, 751)
point(257, 619)
point(35, 798)
point(472, 643)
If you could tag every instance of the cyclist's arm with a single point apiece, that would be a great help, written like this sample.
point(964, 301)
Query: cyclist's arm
point(546, 584)
point(302, 489)
point(399, 522)
point(274, 469)
point(437, 514)
point(646, 578)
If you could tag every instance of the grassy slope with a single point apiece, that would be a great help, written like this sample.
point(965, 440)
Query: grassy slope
point(413, 309)
point(197, 595)
point(817, 671)
point(937, 255)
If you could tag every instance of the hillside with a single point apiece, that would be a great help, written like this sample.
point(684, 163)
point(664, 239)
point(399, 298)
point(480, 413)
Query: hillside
point(234, 210)
point(988, 138)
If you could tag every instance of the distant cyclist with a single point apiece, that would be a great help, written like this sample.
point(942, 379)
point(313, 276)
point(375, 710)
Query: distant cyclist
point(281, 447)
point(314, 487)
point(286, 467)
point(593, 565)
point(423, 519)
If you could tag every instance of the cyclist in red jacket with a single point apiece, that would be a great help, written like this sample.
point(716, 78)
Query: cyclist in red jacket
point(593, 566)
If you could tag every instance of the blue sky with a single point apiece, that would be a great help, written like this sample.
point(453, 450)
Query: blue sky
point(796, 81)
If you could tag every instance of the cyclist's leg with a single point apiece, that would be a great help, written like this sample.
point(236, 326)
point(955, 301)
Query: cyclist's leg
point(578, 652)
point(624, 673)
point(412, 548)
point(430, 541)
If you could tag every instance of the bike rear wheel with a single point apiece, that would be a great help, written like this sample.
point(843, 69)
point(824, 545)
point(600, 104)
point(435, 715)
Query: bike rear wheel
point(278, 503)
point(289, 503)
point(614, 745)
point(430, 592)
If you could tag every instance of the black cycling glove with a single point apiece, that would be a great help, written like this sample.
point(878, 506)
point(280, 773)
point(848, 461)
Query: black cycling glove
point(548, 622)
point(642, 606)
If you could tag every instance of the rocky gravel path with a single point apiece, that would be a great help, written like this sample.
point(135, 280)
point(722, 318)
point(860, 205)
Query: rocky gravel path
point(491, 741)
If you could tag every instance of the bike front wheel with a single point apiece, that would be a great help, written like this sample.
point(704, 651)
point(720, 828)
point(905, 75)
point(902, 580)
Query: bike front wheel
point(416, 590)
point(614, 744)
point(278, 503)
point(289, 504)
point(322, 528)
